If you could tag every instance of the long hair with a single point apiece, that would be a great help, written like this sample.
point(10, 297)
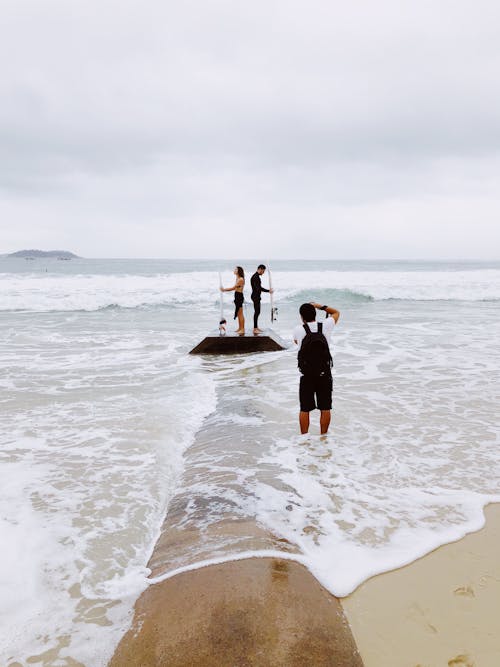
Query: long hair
point(240, 271)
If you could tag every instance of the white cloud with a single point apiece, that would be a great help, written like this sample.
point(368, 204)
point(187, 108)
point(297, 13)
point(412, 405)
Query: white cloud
point(211, 128)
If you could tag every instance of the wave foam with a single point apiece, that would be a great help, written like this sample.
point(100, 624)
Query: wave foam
point(87, 467)
point(32, 292)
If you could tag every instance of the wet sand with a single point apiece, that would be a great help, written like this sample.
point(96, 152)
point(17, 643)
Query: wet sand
point(442, 610)
point(260, 612)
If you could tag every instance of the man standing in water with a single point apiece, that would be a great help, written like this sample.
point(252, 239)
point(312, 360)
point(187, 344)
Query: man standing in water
point(257, 290)
point(315, 363)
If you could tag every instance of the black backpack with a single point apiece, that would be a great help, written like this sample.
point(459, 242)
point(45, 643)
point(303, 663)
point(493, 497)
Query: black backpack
point(314, 356)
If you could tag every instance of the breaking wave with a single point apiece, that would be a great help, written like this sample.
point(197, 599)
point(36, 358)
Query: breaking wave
point(51, 292)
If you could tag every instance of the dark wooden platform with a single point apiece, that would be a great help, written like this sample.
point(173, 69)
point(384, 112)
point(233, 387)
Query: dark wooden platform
point(232, 343)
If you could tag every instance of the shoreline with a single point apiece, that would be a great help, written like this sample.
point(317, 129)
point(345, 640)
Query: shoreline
point(270, 611)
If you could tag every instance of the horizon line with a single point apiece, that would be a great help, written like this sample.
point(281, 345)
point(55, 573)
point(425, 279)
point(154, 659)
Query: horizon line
point(273, 259)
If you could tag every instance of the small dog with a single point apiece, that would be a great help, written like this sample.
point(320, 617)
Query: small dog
point(222, 327)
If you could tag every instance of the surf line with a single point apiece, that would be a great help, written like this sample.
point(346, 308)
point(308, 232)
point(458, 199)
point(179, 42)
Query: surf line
point(245, 555)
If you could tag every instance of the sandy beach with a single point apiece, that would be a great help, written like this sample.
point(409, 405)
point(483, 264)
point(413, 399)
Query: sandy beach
point(442, 610)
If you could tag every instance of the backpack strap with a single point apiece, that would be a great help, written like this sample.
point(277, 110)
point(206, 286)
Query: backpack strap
point(306, 327)
point(320, 327)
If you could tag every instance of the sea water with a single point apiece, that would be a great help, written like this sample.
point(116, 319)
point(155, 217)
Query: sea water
point(108, 428)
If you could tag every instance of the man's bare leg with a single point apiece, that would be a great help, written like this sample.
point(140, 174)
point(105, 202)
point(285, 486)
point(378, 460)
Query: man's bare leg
point(324, 420)
point(304, 422)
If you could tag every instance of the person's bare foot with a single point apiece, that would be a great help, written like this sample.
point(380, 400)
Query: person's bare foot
point(257, 331)
point(240, 331)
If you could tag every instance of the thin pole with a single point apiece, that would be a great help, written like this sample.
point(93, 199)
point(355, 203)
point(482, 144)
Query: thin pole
point(274, 311)
point(222, 319)
point(221, 298)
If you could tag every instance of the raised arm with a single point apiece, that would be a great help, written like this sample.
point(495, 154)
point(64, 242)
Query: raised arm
point(239, 283)
point(333, 312)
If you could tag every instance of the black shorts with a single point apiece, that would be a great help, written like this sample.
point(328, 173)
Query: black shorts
point(315, 392)
point(238, 303)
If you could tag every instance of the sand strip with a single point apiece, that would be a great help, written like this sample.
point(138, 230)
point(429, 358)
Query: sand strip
point(443, 610)
point(260, 612)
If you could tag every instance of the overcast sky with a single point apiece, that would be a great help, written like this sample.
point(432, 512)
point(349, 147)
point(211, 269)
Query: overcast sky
point(251, 129)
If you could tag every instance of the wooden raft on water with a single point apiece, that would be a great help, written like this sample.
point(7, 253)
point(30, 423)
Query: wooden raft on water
point(232, 343)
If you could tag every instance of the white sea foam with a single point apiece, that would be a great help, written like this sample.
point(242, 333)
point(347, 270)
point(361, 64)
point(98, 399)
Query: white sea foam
point(411, 460)
point(98, 407)
point(91, 451)
point(409, 464)
point(348, 529)
point(45, 293)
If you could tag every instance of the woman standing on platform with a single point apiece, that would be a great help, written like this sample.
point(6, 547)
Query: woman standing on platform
point(238, 298)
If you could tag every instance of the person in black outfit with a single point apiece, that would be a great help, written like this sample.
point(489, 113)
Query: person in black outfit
point(257, 290)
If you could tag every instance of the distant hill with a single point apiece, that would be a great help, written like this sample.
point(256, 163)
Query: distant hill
point(62, 254)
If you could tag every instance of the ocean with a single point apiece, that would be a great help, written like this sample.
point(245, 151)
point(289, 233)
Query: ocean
point(110, 433)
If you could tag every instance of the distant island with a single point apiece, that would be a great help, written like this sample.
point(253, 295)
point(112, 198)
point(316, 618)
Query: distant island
point(59, 254)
